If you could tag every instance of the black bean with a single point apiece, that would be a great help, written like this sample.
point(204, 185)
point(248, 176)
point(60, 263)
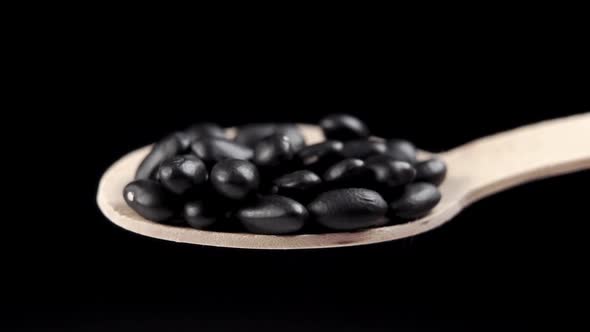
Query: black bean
point(302, 185)
point(363, 148)
point(199, 214)
point(343, 127)
point(295, 136)
point(416, 201)
point(321, 156)
point(150, 200)
point(391, 173)
point(205, 129)
point(349, 209)
point(273, 215)
point(273, 151)
point(235, 179)
point(249, 135)
point(347, 173)
point(185, 141)
point(183, 173)
point(198, 131)
point(312, 153)
point(433, 170)
point(212, 150)
point(379, 158)
point(401, 150)
point(164, 149)
point(274, 157)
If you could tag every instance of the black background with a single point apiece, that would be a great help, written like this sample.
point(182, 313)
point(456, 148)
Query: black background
point(510, 262)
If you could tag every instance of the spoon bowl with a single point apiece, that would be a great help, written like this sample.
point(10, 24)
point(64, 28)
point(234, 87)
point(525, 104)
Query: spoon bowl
point(475, 170)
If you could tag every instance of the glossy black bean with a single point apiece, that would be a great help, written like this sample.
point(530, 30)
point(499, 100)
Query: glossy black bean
point(183, 173)
point(249, 135)
point(198, 131)
point(312, 153)
point(363, 148)
point(302, 186)
point(349, 209)
point(165, 149)
point(379, 158)
point(416, 201)
point(343, 127)
point(433, 170)
point(205, 129)
point(212, 150)
point(391, 173)
point(273, 215)
point(199, 215)
point(295, 136)
point(401, 150)
point(150, 200)
point(235, 179)
point(185, 141)
point(346, 174)
point(273, 151)
point(321, 156)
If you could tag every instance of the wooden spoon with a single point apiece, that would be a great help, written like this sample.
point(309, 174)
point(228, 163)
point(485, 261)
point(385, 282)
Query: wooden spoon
point(476, 170)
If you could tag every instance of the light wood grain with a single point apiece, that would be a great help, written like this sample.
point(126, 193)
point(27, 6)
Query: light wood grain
point(476, 170)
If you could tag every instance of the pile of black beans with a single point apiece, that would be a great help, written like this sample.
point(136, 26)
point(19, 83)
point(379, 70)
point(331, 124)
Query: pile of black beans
point(267, 181)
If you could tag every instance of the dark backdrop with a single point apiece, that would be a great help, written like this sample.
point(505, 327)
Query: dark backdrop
point(509, 262)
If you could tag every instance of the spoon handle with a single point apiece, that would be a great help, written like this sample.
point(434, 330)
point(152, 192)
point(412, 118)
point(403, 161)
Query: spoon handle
point(494, 163)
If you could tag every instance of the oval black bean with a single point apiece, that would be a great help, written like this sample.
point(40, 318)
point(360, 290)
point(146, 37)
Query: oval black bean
point(295, 136)
point(401, 150)
point(416, 201)
point(198, 131)
point(212, 150)
point(433, 170)
point(183, 173)
point(349, 209)
point(391, 173)
point(380, 158)
point(347, 173)
point(319, 157)
point(273, 215)
point(164, 149)
point(273, 151)
point(302, 185)
point(363, 148)
point(343, 127)
point(185, 141)
point(150, 200)
point(249, 135)
point(235, 179)
point(199, 215)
